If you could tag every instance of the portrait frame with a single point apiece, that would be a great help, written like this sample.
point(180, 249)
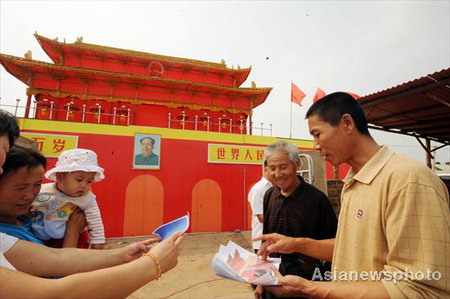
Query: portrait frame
point(141, 159)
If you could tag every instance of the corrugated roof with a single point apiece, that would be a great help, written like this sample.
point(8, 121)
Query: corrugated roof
point(420, 107)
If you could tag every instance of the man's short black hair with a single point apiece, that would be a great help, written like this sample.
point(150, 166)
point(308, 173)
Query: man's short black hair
point(19, 157)
point(151, 139)
point(9, 126)
point(332, 107)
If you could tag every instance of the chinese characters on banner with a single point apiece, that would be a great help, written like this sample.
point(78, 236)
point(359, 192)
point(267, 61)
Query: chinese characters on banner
point(238, 154)
point(51, 146)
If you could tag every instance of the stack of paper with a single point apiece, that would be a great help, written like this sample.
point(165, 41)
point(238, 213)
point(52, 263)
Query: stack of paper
point(236, 263)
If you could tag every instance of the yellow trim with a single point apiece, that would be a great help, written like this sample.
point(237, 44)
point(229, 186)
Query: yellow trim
point(150, 56)
point(116, 130)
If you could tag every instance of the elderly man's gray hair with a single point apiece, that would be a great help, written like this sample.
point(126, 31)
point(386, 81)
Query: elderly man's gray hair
point(283, 146)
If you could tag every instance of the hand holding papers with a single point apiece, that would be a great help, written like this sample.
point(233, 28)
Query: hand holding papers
point(236, 263)
point(178, 225)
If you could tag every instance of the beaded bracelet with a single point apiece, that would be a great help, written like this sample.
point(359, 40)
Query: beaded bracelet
point(156, 261)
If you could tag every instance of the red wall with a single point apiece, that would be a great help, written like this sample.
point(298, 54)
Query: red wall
point(183, 165)
point(171, 70)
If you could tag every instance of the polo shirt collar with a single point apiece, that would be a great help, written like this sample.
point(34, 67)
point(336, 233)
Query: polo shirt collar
point(371, 169)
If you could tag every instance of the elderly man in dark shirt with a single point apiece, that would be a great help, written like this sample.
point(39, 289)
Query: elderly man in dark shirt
point(294, 208)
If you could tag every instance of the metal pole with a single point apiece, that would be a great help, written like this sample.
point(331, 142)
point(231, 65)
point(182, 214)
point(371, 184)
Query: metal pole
point(220, 125)
point(67, 112)
point(428, 152)
point(34, 108)
point(290, 120)
point(27, 108)
point(99, 113)
point(231, 125)
point(290, 115)
point(84, 113)
point(128, 116)
point(50, 116)
point(196, 122)
point(262, 129)
point(114, 115)
point(170, 114)
point(17, 106)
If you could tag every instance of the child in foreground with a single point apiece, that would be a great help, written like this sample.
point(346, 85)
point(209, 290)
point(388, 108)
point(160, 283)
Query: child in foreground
point(73, 175)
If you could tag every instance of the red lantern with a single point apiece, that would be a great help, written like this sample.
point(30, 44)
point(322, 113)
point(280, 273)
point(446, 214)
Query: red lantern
point(122, 111)
point(43, 106)
point(97, 110)
point(224, 119)
point(204, 117)
point(71, 107)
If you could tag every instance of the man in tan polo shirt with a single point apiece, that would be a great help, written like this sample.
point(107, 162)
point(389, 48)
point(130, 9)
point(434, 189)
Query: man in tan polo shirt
point(393, 238)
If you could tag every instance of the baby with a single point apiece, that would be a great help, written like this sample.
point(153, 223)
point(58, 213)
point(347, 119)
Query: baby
point(74, 173)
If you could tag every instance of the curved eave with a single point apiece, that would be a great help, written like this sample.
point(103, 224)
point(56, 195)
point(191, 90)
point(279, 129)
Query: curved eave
point(260, 99)
point(23, 69)
point(242, 77)
point(18, 72)
point(53, 48)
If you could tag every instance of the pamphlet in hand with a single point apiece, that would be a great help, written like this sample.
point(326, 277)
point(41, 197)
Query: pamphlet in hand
point(236, 263)
point(178, 225)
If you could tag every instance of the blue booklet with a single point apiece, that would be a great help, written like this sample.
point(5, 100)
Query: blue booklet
point(178, 225)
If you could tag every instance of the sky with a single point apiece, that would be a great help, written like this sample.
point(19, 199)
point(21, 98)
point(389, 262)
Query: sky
point(357, 46)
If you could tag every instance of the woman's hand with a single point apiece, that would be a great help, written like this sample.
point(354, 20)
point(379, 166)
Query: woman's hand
point(75, 224)
point(136, 250)
point(167, 252)
point(77, 221)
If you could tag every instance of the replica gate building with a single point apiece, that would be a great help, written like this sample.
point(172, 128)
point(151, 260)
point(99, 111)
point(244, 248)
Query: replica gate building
point(108, 99)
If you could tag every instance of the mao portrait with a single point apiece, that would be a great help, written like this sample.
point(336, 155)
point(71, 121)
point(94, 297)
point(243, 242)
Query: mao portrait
point(147, 150)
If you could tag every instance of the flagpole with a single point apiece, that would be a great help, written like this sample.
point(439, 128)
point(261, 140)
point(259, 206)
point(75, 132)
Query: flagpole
point(290, 115)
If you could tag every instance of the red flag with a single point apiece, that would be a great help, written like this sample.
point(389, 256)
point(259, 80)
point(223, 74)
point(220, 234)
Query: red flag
point(354, 95)
point(297, 95)
point(319, 94)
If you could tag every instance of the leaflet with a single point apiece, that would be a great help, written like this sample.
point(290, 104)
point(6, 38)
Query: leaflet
point(178, 225)
point(235, 263)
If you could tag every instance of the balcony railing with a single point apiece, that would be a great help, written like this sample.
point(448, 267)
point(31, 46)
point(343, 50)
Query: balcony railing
point(122, 116)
